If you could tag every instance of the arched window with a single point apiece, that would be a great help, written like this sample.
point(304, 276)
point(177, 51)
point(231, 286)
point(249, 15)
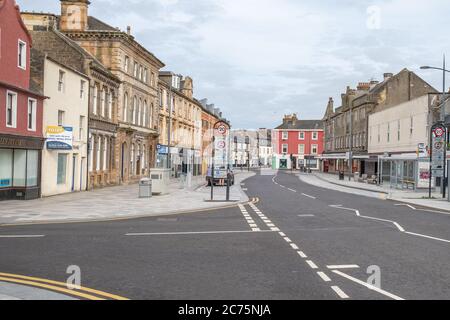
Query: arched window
point(139, 111)
point(95, 99)
point(145, 116)
point(110, 104)
point(150, 116)
point(103, 102)
point(125, 108)
point(135, 102)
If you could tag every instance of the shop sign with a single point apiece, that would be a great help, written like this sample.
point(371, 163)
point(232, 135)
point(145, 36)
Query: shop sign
point(59, 138)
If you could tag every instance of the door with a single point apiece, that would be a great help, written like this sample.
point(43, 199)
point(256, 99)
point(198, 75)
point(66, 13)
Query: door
point(74, 166)
point(122, 162)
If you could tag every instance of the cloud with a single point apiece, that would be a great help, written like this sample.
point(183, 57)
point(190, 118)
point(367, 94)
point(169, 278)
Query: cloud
point(259, 59)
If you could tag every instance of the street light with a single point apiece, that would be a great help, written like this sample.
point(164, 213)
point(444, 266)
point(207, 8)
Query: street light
point(442, 112)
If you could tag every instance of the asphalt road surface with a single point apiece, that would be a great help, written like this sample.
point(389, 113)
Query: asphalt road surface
point(295, 242)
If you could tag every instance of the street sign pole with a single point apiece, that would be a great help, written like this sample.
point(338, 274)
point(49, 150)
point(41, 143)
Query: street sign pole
point(430, 174)
point(438, 138)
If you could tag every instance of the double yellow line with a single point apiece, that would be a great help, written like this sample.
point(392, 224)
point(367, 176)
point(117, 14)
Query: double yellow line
point(61, 287)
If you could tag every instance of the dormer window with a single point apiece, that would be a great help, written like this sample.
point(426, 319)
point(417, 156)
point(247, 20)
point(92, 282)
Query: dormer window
point(22, 55)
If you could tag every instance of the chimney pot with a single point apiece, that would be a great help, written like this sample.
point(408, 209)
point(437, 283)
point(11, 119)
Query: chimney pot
point(129, 30)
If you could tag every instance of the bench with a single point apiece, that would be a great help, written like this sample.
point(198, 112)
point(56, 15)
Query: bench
point(372, 180)
point(408, 183)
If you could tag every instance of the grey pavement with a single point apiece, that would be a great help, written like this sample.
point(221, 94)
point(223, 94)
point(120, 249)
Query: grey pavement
point(119, 202)
point(12, 291)
point(416, 198)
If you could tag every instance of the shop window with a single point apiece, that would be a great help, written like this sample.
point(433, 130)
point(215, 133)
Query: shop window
point(6, 160)
point(62, 167)
point(32, 168)
point(20, 162)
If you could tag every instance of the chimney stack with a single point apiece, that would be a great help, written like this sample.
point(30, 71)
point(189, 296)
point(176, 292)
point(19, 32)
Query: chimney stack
point(388, 76)
point(363, 86)
point(74, 15)
point(129, 30)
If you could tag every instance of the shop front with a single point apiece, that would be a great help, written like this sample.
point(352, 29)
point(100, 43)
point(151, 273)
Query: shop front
point(20, 167)
point(405, 171)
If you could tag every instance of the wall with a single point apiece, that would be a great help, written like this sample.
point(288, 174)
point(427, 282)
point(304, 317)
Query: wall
point(293, 141)
point(418, 109)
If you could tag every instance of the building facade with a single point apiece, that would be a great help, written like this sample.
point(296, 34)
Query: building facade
point(346, 127)
point(210, 116)
point(298, 144)
point(65, 121)
point(180, 115)
point(101, 92)
point(251, 148)
point(137, 69)
point(21, 110)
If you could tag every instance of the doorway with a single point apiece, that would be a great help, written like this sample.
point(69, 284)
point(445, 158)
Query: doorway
point(74, 164)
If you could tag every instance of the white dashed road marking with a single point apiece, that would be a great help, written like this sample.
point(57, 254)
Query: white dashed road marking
point(308, 196)
point(272, 226)
point(367, 285)
point(339, 292)
point(312, 264)
point(324, 276)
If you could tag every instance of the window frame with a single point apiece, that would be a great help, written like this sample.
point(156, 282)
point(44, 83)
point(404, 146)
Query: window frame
point(33, 114)
point(22, 56)
point(13, 109)
point(301, 135)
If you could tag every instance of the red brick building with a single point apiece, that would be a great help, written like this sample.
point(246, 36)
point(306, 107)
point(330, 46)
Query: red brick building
point(21, 109)
point(298, 143)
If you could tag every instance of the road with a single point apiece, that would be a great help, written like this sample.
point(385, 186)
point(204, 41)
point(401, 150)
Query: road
point(295, 242)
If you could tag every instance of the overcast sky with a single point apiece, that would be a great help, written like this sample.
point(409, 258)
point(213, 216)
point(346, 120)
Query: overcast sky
point(260, 59)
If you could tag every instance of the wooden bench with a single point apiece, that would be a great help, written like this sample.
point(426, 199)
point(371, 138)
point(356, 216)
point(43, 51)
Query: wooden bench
point(408, 183)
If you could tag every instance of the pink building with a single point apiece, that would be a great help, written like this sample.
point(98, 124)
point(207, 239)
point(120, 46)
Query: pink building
point(21, 138)
point(298, 143)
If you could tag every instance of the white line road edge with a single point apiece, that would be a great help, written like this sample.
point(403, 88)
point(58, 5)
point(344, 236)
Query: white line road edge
point(369, 286)
point(343, 266)
point(193, 233)
point(425, 210)
point(22, 236)
point(308, 196)
point(398, 226)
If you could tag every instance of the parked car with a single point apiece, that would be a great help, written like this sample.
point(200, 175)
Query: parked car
point(220, 174)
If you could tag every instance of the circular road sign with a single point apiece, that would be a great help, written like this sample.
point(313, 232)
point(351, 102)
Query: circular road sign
point(222, 129)
point(439, 132)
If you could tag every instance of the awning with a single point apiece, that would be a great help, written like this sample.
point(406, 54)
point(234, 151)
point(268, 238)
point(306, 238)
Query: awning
point(342, 156)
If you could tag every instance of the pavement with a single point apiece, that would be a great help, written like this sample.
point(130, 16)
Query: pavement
point(120, 202)
point(294, 241)
point(414, 198)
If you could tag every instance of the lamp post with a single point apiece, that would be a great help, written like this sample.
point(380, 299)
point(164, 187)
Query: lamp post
point(169, 128)
point(442, 114)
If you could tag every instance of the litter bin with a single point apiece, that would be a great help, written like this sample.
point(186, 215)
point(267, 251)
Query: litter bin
point(341, 175)
point(145, 188)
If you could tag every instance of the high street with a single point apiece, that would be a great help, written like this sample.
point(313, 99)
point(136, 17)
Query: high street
point(295, 241)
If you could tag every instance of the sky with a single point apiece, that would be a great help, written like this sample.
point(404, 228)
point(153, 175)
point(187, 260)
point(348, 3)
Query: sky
point(258, 60)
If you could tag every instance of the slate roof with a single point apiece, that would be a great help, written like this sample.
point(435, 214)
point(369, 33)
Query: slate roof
point(302, 124)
